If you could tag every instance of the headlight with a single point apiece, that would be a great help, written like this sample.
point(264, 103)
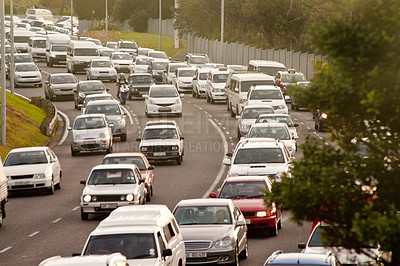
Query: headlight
point(102, 135)
point(87, 198)
point(120, 122)
point(281, 106)
point(95, 72)
point(261, 214)
point(203, 85)
point(82, 95)
point(175, 148)
point(116, 64)
point(324, 116)
point(129, 197)
point(151, 102)
point(177, 101)
point(143, 148)
point(181, 82)
point(223, 243)
point(41, 175)
point(76, 137)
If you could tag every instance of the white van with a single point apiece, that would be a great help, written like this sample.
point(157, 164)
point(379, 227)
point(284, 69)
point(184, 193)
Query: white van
point(79, 55)
point(266, 66)
point(21, 40)
point(44, 13)
point(144, 234)
point(37, 47)
point(3, 193)
point(56, 49)
point(238, 85)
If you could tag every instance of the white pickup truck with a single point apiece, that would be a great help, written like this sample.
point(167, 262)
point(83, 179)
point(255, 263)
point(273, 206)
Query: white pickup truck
point(3, 193)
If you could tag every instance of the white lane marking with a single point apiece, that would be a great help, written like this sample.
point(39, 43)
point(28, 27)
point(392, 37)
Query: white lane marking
point(326, 143)
point(76, 208)
point(232, 143)
point(301, 123)
point(321, 138)
point(56, 220)
point(20, 95)
point(33, 234)
point(189, 101)
point(223, 167)
point(67, 124)
point(202, 109)
point(5, 249)
point(308, 128)
point(228, 133)
point(129, 115)
point(224, 128)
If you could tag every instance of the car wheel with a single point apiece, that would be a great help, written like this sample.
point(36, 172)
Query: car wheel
point(50, 63)
point(1, 215)
point(84, 215)
point(232, 113)
point(273, 231)
point(50, 190)
point(179, 160)
point(74, 153)
point(193, 93)
point(123, 137)
point(320, 128)
point(109, 150)
point(197, 95)
point(45, 95)
point(212, 100)
point(72, 70)
point(151, 189)
point(315, 125)
point(58, 185)
point(180, 115)
point(148, 196)
point(87, 77)
point(236, 262)
point(207, 98)
point(245, 252)
point(292, 106)
point(280, 223)
point(227, 105)
point(238, 134)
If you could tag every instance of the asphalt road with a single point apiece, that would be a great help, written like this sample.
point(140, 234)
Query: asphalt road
point(39, 226)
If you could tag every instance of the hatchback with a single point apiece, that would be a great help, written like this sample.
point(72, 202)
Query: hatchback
point(27, 74)
point(60, 85)
point(101, 69)
point(163, 99)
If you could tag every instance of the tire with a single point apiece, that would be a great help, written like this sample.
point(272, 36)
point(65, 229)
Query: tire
point(179, 160)
point(273, 231)
point(232, 113)
point(50, 63)
point(148, 196)
point(180, 115)
point(193, 94)
point(212, 100)
point(280, 223)
point(109, 150)
point(72, 70)
point(1, 214)
point(207, 98)
point(84, 215)
point(123, 137)
point(74, 153)
point(227, 105)
point(238, 135)
point(245, 252)
point(58, 185)
point(50, 190)
point(236, 262)
point(151, 189)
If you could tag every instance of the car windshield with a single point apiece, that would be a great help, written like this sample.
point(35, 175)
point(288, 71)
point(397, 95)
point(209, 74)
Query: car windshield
point(39, 43)
point(254, 113)
point(186, 73)
point(106, 64)
point(160, 133)
point(128, 45)
point(198, 60)
point(26, 58)
point(88, 99)
point(245, 85)
point(158, 55)
point(266, 94)
point(172, 68)
point(203, 76)
point(63, 79)
point(86, 52)
point(269, 132)
point(137, 160)
point(270, 70)
point(132, 246)
point(276, 119)
point(159, 65)
point(143, 51)
point(121, 57)
point(292, 78)
point(140, 79)
point(26, 68)
point(107, 109)
point(163, 92)
point(111, 176)
point(21, 39)
point(247, 189)
point(143, 61)
point(59, 48)
point(27, 157)
point(91, 86)
point(189, 215)
point(84, 123)
point(259, 155)
point(220, 78)
point(112, 45)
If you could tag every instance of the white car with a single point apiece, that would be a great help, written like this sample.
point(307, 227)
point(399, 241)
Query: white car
point(268, 95)
point(101, 69)
point(169, 73)
point(199, 82)
point(183, 79)
point(123, 62)
point(95, 97)
point(163, 99)
point(33, 168)
point(249, 116)
point(280, 118)
point(142, 64)
point(158, 55)
point(27, 74)
point(113, 259)
point(128, 47)
point(216, 85)
point(110, 186)
point(143, 51)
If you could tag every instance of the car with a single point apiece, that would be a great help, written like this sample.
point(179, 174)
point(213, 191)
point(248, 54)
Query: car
point(248, 193)
point(214, 231)
point(27, 74)
point(139, 159)
point(249, 116)
point(142, 64)
point(85, 88)
point(139, 84)
point(346, 256)
point(158, 55)
point(127, 46)
point(183, 79)
point(279, 131)
point(266, 66)
point(33, 168)
point(123, 62)
point(170, 71)
point(292, 259)
point(60, 85)
point(284, 79)
point(162, 142)
point(95, 41)
point(215, 88)
point(280, 118)
point(18, 58)
point(106, 52)
point(199, 82)
point(101, 69)
point(157, 68)
point(196, 60)
point(110, 186)
point(295, 105)
point(112, 45)
point(114, 259)
point(143, 51)
point(162, 122)
point(90, 133)
point(95, 97)
point(259, 156)
point(237, 68)
point(320, 120)
point(22, 26)
point(269, 95)
point(37, 47)
point(114, 113)
point(162, 100)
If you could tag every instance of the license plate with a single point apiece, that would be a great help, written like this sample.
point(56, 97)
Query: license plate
point(196, 254)
point(89, 142)
point(248, 221)
point(108, 206)
point(160, 154)
point(164, 109)
point(21, 183)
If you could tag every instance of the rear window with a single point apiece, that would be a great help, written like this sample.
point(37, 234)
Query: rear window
point(127, 160)
point(245, 85)
point(259, 155)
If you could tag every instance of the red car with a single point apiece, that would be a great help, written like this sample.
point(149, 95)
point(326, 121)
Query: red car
point(142, 163)
point(248, 194)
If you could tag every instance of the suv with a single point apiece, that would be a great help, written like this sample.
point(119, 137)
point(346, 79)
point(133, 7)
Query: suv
point(216, 85)
point(284, 79)
point(128, 46)
point(199, 82)
point(169, 73)
point(162, 142)
point(267, 95)
point(259, 156)
point(197, 60)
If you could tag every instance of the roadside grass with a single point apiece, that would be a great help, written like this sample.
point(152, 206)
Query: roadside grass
point(22, 125)
point(142, 39)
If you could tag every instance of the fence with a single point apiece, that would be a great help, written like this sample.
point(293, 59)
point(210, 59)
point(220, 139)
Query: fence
point(167, 26)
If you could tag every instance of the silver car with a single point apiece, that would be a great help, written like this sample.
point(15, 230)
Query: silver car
point(27, 74)
point(60, 85)
point(214, 231)
point(101, 69)
point(90, 133)
point(249, 116)
point(114, 113)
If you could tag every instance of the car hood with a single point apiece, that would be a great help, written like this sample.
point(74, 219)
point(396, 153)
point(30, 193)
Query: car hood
point(28, 73)
point(89, 133)
point(103, 69)
point(93, 92)
point(113, 118)
point(205, 232)
point(345, 256)
point(116, 189)
point(159, 142)
point(120, 61)
point(25, 169)
point(266, 102)
point(256, 204)
point(64, 86)
point(258, 168)
point(141, 68)
point(247, 122)
point(185, 79)
point(218, 85)
point(144, 262)
point(164, 100)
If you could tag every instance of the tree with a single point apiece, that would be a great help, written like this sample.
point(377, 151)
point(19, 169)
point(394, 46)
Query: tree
point(360, 91)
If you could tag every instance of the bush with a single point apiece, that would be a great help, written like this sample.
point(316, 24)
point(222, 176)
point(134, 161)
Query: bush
point(113, 24)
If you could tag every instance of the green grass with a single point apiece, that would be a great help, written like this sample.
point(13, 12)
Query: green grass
point(22, 125)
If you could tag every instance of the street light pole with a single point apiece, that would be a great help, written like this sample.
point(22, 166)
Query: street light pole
point(176, 37)
point(106, 19)
point(3, 76)
point(159, 25)
point(11, 73)
point(222, 30)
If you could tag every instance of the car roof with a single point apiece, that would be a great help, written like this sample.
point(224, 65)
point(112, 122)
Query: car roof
point(61, 74)
point(246, 178)
point(204, 202)
point(266, 124)
point(298, 258)
point(25, 63)
point(97, 95)
point(269, 63)
point(29, 149)
point(101, 102)
point(185, 68)
point(120, 52)
point(125, 154)
point(257, 106)
point(249, 143)
point(160, 127)
point(140, 74)
point(252, 76)
point(161, 122)
point(90, 81)
point(114, 166)
point(265, 87)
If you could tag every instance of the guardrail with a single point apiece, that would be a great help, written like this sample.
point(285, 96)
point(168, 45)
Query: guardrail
point(49, 122)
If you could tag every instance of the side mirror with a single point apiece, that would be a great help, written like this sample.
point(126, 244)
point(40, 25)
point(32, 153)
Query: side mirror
point(226, 161)
point(194, 78)
point(236, 89)
point(229, 154)
point(182, 137)
point(141, 180)
point(107, 89)
point(212, 195)
point(69, 128)
point(151, 167)
point(138, 139)
point(296, 125)
point(240, 223)
point(125, 113)
point(167, 252)
point(301, 245)
point(75, 90)
point(181, 95)
point(83, 182)
point(53, 160)
point(238, 117)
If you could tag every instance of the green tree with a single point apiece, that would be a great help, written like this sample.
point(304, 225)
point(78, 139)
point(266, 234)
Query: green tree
point(360, 92)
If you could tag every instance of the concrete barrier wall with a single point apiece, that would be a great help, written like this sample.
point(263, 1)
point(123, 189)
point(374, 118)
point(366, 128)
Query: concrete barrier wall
point(49, 122)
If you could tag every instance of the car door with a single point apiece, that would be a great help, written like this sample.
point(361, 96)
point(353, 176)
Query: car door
point(140, 184)
point(54, 165)
point(240, 231)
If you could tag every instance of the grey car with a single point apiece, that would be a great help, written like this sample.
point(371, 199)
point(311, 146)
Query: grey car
point(86, 88)
point(60, 85)
point(249, 116)
point(214, 231)
point(90, 133)
point(139, 84)
point(114, 113)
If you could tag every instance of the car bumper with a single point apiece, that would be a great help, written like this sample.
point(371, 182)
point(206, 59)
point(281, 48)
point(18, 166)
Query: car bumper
point(96, 145)
point(39, 55)
point(218, 96)
point(202, 91)
point(28, 81)
point(138, 92)
point(31, 183)
point(185, 88)
point(161, 156)
point(60, 93)
point(104, 76)
point(215, 257)
point(254, 223)
point(80, 66)
point(124, 68)
point(104, 207)
point(170, 109)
